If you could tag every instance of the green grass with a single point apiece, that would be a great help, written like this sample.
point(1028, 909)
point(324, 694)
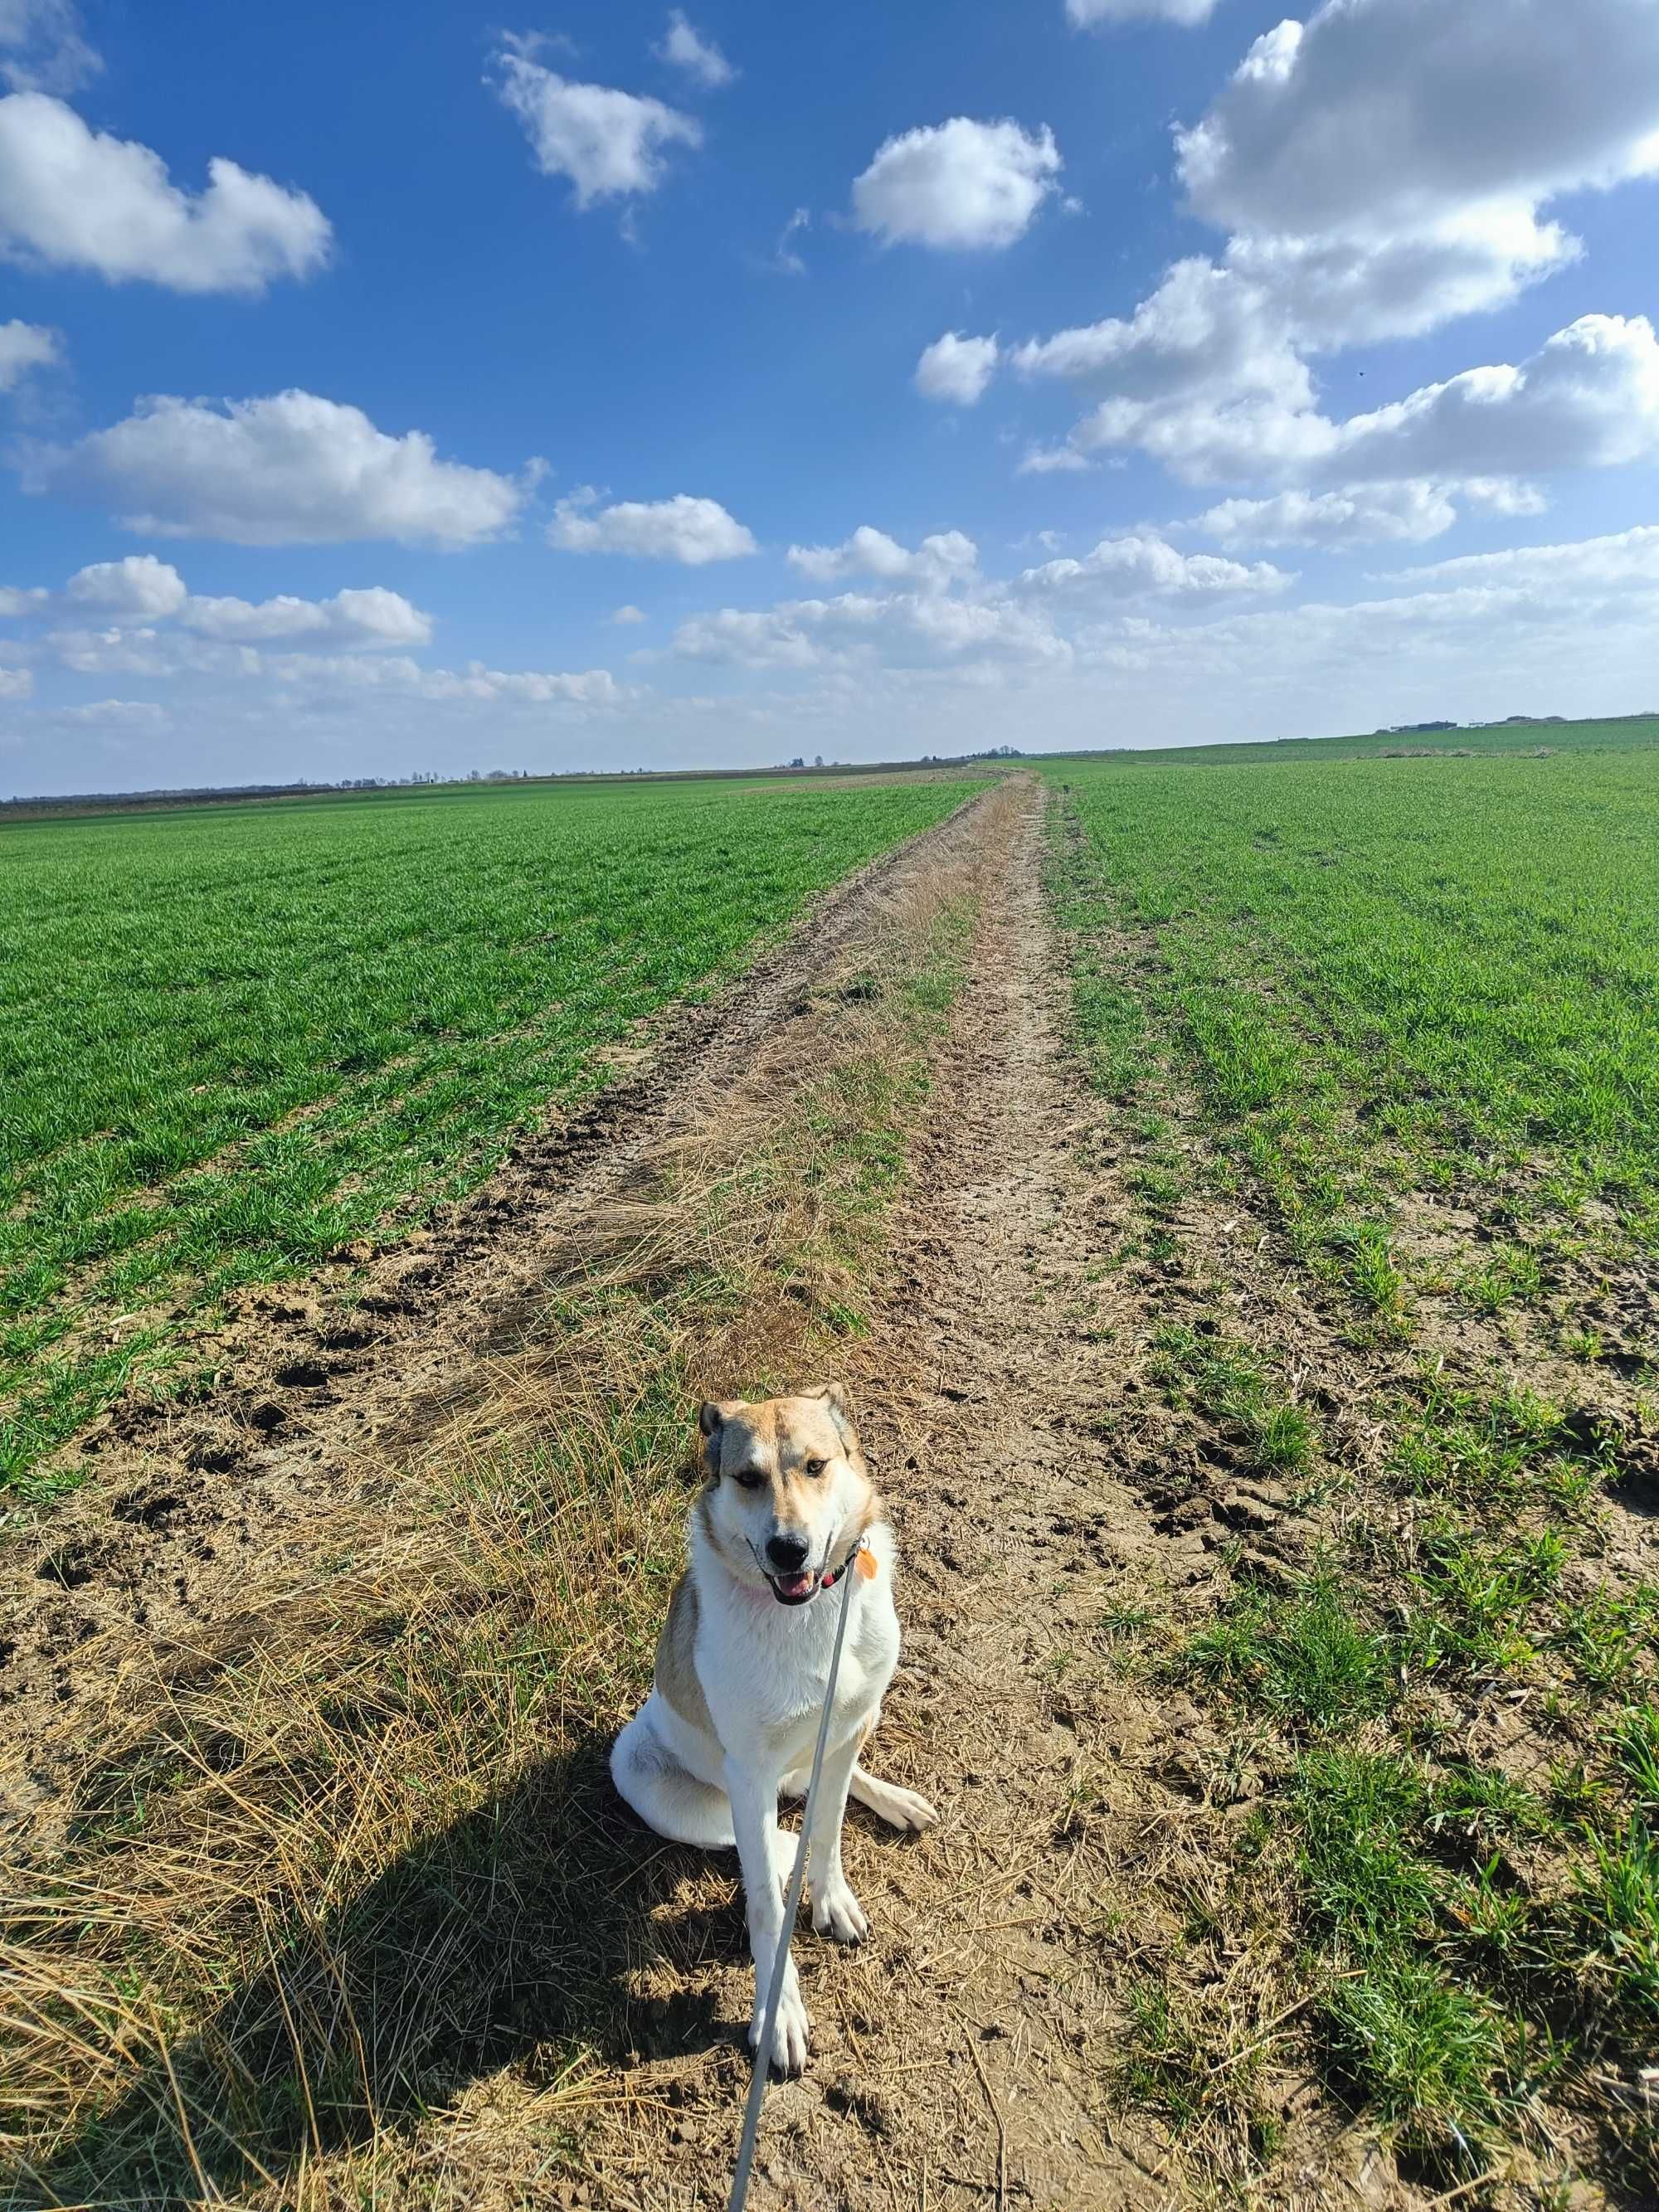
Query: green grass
point(1620, 734)
point(232, 1041)
point(1385, 976)
point(1400, 1017)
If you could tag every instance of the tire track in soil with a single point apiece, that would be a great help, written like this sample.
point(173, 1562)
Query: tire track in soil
point(955, 2058)
point(315, 1379)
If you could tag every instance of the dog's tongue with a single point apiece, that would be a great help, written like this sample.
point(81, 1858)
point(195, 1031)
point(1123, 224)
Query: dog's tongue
point(794, 1585)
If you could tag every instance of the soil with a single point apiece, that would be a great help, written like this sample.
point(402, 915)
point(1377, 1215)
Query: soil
point(1041, 1486)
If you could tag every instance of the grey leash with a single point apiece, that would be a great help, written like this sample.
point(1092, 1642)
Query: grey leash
point(751, 2114)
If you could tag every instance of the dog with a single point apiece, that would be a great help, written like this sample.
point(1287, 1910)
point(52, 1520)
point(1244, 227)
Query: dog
point(743, 1665)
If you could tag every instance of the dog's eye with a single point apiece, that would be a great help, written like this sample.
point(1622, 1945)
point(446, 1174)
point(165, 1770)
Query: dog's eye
point(749, 1478)
point(816, 1466)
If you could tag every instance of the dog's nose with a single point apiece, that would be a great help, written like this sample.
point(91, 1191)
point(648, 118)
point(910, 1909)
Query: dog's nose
point(789, 1552)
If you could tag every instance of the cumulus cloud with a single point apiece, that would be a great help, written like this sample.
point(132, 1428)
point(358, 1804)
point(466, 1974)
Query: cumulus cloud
point(75, 199)
point(1143, 565)
point(289, 470)
point(372, 617)
point(1382, 168)
point(25, 346)
point(42, 48)
point(1409, 512)
point(610, 144)
point(139, 588)
point(1587, 399)
point(1051, 460)
point(1626, 560)
point(947, 558)
point(1383, 115)
point(628, 615)
point(134, 599)
point(684, 48)
point(691, 531)
point(16, 683)
point(899, 628)
point(961, 184)
point(956, 370)
point(475, 683)
point(1186, 12)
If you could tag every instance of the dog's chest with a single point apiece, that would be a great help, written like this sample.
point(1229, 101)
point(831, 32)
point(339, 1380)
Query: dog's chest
point(766, 1679)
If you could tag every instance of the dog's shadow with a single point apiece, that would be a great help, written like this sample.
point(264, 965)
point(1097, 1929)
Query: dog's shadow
point(531, 1931)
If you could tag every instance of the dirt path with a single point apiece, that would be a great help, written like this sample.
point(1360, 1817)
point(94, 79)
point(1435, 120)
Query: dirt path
point(958, 2054)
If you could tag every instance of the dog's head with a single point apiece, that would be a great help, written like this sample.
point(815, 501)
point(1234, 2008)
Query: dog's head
point(789, 1492)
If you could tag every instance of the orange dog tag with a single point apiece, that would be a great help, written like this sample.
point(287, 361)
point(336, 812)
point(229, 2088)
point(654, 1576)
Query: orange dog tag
point(868, 1566)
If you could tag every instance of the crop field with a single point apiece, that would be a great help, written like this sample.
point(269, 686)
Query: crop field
point(1381, 1042)
point(233, 1040)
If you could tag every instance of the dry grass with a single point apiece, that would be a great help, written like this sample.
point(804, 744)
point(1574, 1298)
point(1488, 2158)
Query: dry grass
point(349, 1913)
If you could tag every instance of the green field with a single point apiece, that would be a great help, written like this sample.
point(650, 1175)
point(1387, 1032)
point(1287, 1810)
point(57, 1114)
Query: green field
point(1324, 1000)
point(1622, 733)
point(1389, 975)
point(234, 1039)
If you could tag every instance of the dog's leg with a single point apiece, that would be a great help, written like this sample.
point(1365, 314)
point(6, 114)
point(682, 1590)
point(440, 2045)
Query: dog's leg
point(755, 1817)
point(665, 1797)
point(835, 1910)
point(900, 1809)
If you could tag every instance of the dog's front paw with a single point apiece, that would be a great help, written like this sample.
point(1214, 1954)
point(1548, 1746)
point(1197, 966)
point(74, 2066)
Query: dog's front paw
point(837, 1913)
point(789, 2030)
point(910, 1811)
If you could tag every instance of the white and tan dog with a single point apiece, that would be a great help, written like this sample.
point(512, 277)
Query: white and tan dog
point(743, 1663)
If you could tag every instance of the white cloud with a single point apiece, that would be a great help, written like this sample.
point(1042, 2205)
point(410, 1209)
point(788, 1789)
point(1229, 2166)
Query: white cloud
point(1628, 561)
point(874, 629)
point(373, 617)
point(25, 346)
point(1186, 12)
point(683, 529)
point(289, 470)
point(958, 186)
point(938, 562)
point(628, 615)
point(1377, 116)
point(608, 144)
point(1587, 399)
point(74, 198)
point(140, 588)
point(109, 714)
point(1051, 460)
point(684, 48)
point(956, 370)
point(1141, 565)
point(475, 683)
point(1382, 168)
point(1409, 512)
point(16, 683)
point(784, 260)
point(134, 599)
point(41, 47)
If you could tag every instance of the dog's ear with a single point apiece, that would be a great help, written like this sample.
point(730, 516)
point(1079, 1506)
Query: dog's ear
point(712, 1416)
point(834, 1395)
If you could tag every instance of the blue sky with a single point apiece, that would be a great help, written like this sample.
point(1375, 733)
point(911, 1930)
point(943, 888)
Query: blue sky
point(1076, 372)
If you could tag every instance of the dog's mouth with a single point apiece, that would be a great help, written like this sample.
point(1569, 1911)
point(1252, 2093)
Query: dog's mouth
point(794, 1590)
